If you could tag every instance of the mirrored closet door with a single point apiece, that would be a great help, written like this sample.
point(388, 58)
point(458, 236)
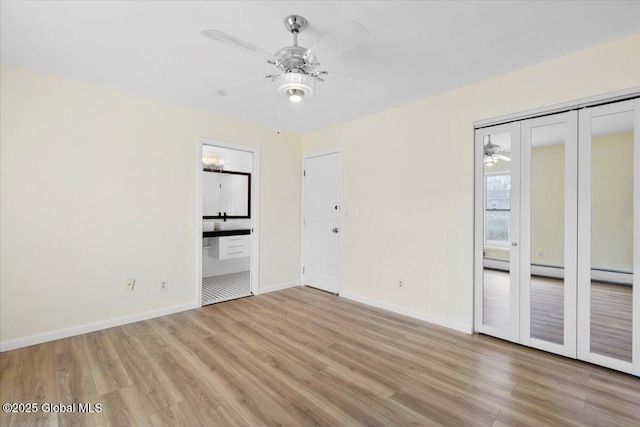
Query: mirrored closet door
point(497, 267)
point(557, 233)
point(609, 236)
point(548, 251)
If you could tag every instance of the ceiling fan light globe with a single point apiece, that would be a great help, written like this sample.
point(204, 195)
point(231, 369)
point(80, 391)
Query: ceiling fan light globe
point(295, 86)
point(294, 95)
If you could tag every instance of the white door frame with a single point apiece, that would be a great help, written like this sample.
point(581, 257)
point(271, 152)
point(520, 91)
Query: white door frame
point(337, 151)
point(255, 211)
point(584, 239)
point(512, 334)
point(570, 120)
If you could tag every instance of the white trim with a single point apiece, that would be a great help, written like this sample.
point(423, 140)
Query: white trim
point(198, 246)
point(337, 151)
point(279, 287)
point(92, 327)
point(562, 107)
point(635, 316)
point(255, 211)
point(583, 315)
point(456, 326)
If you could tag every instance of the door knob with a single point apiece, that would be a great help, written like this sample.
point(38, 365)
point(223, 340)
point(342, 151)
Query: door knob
point(514, 244)
point(335, 230)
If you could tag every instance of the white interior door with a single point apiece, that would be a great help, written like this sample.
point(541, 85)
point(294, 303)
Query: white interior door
point(548, 233)
point(609, 236)
point(321, 221)
point(497, 262)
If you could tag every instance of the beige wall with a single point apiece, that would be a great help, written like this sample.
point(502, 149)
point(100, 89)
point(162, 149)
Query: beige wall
point(408, 178)
point(98, 187)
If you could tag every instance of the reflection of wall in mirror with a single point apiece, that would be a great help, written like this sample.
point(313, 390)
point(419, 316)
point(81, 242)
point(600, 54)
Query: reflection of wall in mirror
point(210, 194)
point(502, 255)
point(227, 190)
point(612, 203)
point(234, 194)
point(547, 205)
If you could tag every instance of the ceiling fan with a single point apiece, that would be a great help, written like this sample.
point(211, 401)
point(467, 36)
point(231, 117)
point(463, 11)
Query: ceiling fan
point(297, 75)
point(492, 153)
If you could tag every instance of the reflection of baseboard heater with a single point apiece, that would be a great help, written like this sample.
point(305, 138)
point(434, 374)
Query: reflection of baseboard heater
point(605, 276)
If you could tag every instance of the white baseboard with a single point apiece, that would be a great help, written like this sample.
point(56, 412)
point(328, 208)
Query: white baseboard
point(279, 287)
point(91, 327)
point(461, 327)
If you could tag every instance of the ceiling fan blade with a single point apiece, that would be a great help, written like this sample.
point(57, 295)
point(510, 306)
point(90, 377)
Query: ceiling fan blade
point(346, 36)
point(235, 42)
point(505, 158)
point(335, 73)
point(223, 92)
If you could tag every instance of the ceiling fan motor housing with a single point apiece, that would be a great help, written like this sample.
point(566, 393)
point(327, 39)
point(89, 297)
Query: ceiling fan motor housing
point(291, 57)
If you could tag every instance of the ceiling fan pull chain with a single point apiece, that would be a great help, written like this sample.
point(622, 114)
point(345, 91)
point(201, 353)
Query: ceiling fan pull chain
point(278, 110)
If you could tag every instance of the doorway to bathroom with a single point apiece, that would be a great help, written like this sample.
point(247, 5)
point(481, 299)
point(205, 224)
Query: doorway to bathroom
point(228, 182)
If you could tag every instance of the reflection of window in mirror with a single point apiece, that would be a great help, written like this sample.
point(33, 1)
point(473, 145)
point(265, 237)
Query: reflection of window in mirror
point(497, 209)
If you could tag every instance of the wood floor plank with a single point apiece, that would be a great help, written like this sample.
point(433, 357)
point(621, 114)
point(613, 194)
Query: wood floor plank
point(306, 357)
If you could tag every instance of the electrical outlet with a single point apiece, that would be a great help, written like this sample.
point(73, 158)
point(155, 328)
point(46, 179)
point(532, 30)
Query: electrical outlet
point(164, 285)
point(400, 283)
point(130, 284)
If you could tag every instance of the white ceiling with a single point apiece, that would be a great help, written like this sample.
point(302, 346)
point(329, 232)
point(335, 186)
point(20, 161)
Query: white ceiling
point(154, 49)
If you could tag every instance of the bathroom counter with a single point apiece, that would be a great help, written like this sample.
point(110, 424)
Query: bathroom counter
point(226, 233)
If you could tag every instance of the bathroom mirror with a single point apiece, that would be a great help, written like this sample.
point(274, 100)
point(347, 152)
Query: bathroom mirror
point(226, 194)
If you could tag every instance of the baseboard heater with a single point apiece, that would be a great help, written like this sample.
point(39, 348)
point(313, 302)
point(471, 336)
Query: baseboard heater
point(613, 277)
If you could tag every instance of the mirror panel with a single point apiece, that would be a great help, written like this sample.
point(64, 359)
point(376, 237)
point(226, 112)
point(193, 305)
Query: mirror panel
point(612, 219)
point(497, 231)
point(547, 232)
point(226, 193)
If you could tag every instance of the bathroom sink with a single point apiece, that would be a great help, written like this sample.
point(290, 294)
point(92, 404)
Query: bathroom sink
point(226, 226)
point(208, 226)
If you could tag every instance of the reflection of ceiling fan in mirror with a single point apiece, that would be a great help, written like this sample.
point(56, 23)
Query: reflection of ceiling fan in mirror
point(492, 153)
point(297, 75)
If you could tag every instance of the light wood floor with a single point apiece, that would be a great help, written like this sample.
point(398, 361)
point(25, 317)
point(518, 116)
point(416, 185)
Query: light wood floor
point(304, 357)
point(611, 312)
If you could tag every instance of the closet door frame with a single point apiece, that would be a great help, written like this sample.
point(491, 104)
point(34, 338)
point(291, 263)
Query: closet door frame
point(584, 239)
point(570, 121)
point(513, 333)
